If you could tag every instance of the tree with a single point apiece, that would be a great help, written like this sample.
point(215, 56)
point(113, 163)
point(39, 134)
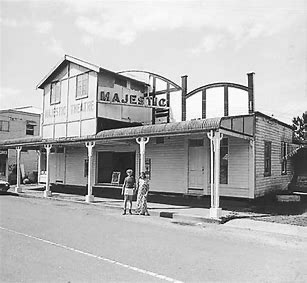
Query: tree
point(299, 127)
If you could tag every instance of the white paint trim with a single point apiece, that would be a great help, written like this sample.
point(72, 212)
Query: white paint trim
point(111, 261)
point(236, 135)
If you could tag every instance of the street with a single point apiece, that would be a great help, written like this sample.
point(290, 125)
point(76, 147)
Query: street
point(54, 241)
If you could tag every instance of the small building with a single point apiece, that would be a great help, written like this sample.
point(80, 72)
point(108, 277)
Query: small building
point(97, 123)
point(18, 123)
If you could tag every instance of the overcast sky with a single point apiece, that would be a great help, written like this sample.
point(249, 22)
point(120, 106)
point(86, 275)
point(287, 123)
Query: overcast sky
point(209, 41)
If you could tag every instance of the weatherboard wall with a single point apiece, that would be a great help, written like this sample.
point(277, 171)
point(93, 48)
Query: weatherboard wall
point(71, 116)
point(276, 133)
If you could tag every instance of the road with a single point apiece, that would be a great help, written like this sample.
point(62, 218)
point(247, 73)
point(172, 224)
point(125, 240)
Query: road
point(53, 241)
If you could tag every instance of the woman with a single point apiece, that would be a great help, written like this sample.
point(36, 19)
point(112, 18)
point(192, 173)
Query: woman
point(143, 188)
point(128, 190)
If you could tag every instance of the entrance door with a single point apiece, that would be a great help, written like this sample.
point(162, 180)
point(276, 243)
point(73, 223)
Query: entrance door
point(196, 165)
point(60, 166)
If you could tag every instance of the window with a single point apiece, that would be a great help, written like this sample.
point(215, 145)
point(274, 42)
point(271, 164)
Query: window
point(85, 167)
point(267, 158)
point(284, 152)
point(3, 158)
point(224, 161)
point(55, 94)
point(137, 87)
point(121, 82)
point(43, 162)
point(30, 128)
point(4, 126)
point(196, 143)
point(82, 86)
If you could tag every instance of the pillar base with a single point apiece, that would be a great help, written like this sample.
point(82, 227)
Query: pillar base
point(47, 193)
point(18, 190)
point(89, 198)
point(215, 212)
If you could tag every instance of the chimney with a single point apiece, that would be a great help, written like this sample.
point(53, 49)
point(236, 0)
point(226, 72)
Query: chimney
point(251, 99)
point(184, 85)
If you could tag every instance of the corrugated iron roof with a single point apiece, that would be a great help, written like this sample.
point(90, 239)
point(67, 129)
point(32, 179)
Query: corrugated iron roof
point(169, 129)
point(162, 129)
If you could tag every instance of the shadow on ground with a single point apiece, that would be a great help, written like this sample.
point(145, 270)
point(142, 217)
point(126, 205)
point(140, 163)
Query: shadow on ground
point(265, 205)
point(8, 194)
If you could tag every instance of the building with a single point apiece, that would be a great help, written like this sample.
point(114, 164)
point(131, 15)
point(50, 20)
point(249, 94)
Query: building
point(18, 123)
point(96, 124)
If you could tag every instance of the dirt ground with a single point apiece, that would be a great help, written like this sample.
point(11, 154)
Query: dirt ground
point(300, 220)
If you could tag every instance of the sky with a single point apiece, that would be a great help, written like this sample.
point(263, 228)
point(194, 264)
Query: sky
point(210, 41)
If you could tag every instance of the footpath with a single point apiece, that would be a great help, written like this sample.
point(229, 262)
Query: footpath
point(180, 213)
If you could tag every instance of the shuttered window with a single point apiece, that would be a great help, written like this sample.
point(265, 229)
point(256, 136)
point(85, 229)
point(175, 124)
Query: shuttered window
point(55, 94)
point(82, 86)
point(4, 126)
point(267, 158)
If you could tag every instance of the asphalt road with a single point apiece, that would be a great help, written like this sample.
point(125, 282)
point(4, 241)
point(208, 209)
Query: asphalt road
point(54, 241)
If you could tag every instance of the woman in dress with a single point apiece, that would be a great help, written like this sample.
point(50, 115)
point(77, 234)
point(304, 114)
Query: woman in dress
point(143, 188)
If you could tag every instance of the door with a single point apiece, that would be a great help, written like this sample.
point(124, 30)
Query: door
point(60, 166)
point(196, 165)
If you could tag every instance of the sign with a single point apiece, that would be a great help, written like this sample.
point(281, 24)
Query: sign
point(148, 168)
point(55, 112)
point(132, 99)
point(86, 106)
point(3, 152)
point(115, 178)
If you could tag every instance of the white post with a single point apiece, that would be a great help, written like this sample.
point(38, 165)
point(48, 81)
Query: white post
point(142, 142)
point(47, 192)
point(89, 197)
point(210, 136)
point(18, 188)
point(215, 210)
point(39, 159)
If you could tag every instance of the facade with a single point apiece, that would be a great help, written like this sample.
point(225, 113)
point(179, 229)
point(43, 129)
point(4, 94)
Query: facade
point(18, 123)
point(96, 124)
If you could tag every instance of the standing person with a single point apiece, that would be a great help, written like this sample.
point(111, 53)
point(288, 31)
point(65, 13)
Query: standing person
point(128, 190)
point(143, 189)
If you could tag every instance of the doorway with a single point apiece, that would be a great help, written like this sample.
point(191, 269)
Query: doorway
point(60, 165)
point(109, 162)
point(196, 165)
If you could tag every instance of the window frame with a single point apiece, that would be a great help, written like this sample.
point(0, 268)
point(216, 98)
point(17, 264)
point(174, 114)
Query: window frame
point(85, 167)
point(284, 152)
point(87, 87)
point(1, 125)
point(223, 145)
point(267, 158)
point(196, 142)
point(32, 125)
point(57, 98)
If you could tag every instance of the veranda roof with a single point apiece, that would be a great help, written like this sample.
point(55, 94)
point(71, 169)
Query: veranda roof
point(169, 129)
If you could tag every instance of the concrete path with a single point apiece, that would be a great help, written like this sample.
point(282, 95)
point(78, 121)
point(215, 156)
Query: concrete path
point(243, 220)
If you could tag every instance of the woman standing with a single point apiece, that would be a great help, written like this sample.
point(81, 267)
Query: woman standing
point(128, 190)
point(143, 188)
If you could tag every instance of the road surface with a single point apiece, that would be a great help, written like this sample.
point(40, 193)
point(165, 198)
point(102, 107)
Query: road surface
point(54, 241)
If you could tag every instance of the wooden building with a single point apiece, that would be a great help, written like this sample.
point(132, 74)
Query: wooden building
point(18, 123)
point(96, 124)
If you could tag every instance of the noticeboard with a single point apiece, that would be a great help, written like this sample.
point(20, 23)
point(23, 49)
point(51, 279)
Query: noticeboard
point(115, 177)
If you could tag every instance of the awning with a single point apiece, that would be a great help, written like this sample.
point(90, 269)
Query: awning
point(295, 151)
point(232, 124)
